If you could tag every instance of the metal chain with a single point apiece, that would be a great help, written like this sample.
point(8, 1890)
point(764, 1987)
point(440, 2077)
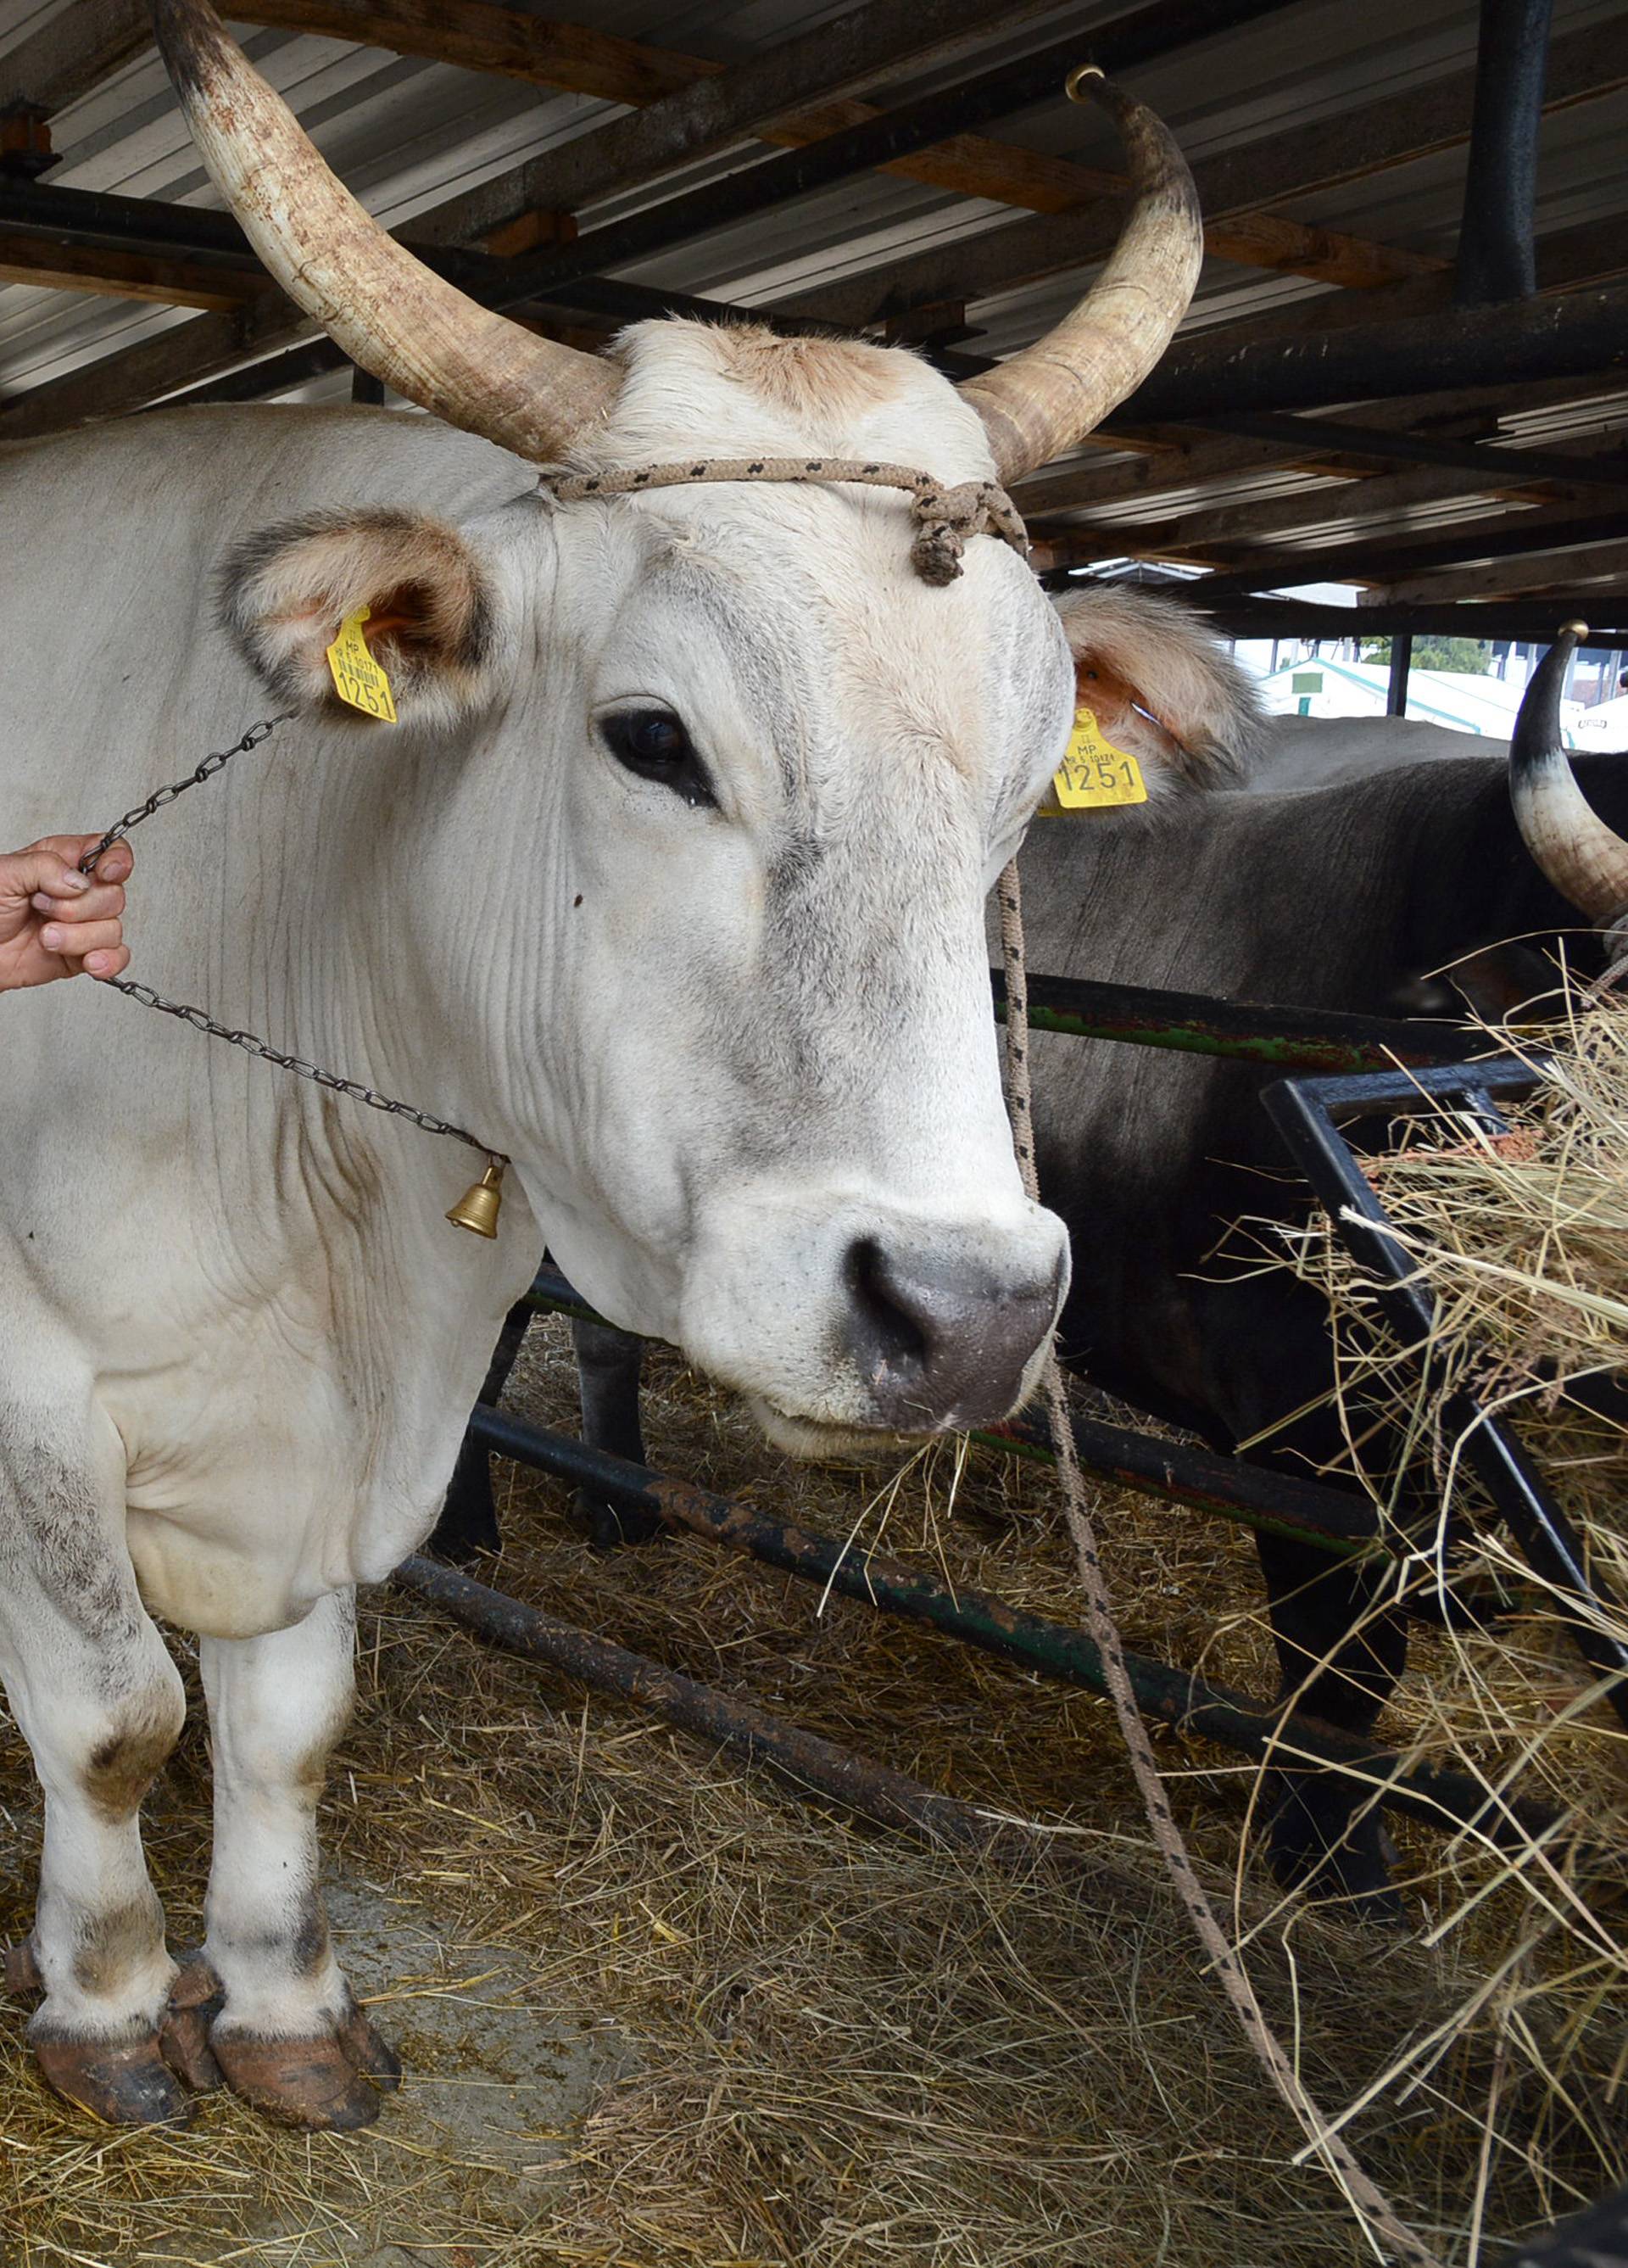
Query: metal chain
point(249, 1042)
point(264, 1052)
point(207, 769)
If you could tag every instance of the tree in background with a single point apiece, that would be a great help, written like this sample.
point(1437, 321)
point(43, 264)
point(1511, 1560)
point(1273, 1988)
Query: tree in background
point(1462, 653)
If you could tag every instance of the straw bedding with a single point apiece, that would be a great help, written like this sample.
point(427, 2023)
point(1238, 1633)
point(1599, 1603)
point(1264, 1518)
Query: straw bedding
point(778, 2036)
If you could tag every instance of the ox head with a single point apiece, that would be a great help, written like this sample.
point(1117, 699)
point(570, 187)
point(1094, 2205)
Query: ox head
point(747, 777)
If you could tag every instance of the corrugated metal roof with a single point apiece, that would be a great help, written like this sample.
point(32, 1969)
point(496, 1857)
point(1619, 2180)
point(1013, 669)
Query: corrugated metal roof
point(407, 135)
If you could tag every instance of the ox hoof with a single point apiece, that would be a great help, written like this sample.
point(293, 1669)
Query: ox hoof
point(334, 2081)
point(184, 2034)
point(122, 2082)
point(23, 1980)
point(1315, 1843)
point(369, 2051)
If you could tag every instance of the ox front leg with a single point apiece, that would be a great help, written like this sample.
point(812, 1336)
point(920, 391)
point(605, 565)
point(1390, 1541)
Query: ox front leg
point(100, 1704)
point(279, 2016)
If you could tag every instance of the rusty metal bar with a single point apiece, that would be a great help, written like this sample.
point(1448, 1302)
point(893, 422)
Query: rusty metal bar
point(1304, 1112)
point(1180, 1698)
point(872, 1791)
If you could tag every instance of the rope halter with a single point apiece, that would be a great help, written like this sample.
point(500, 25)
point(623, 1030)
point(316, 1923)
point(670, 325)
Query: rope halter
point(945, 516)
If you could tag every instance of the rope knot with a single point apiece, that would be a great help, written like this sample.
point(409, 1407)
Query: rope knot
point(946, 517)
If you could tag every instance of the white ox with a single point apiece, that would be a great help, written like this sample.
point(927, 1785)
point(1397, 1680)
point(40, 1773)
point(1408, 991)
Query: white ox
point(668, 884)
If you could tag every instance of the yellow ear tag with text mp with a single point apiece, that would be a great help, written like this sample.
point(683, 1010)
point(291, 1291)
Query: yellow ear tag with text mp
point(1094, 773)
point(358, 679)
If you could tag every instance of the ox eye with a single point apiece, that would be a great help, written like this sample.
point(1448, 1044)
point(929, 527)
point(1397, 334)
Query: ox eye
point(653, 743)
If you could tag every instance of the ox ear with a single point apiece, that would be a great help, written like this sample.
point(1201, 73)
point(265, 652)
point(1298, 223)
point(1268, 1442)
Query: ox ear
point(431, 620)
point(1161, 687)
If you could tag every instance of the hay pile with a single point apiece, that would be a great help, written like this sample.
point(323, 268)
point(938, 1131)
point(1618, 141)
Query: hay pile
point(1522, 1240)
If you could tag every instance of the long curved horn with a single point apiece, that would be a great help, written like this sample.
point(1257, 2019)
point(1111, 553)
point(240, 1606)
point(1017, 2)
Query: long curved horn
point(1048, 397)
point(390, 313)
point(1585, 860)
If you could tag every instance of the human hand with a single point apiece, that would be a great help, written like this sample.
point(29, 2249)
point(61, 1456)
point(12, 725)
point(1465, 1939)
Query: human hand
point(55, 921)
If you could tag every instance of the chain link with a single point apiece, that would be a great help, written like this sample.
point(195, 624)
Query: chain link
point(250, 1043)
point(162, 796)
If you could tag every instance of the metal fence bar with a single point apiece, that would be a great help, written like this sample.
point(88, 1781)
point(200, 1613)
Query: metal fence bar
point(871, 1790)
point(1291, 1039)
point(1177, 1698)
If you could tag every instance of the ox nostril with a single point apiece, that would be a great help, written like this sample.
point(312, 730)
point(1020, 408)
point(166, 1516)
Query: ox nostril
point(888, 1339)
point(942, 1339)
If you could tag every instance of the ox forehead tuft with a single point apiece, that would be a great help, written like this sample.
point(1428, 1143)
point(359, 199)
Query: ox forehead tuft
point(821, 376)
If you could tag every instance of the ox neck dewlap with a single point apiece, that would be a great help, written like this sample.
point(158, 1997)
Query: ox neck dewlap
point(477, 1209)
point(945, 515)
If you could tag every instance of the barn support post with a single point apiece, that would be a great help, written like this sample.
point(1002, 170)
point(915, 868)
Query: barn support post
point(1496, 258)
point(1180, 1698)
point(1401, 664)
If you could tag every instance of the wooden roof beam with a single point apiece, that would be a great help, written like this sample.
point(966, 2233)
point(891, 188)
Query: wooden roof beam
point(110, 274)
point(1564, 572)
point(203, 349)
point(788, 97)
point(1006, 258)
point(1232, 190)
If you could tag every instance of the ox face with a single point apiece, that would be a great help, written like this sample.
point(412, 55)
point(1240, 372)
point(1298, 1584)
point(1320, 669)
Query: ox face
point(747, 781)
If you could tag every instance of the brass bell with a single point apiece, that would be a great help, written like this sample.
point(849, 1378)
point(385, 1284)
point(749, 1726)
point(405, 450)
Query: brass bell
point(477, 1210)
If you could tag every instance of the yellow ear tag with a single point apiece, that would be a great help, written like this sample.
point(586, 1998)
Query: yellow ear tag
point(358, 679)
point(1094, 773)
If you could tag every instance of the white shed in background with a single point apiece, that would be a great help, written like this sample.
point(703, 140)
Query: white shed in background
point(1454, 698)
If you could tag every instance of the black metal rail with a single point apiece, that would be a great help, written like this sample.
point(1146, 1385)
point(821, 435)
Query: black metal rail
point(1305, 1111)
point(871, 1791)
point(1180, 1698)
point(1583, 336)
point(1307, 1038)
point(1530, 620)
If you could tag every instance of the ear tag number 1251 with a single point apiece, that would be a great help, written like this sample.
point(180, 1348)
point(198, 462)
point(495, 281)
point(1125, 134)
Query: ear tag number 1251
point(358, 679)
point(1094, 774)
